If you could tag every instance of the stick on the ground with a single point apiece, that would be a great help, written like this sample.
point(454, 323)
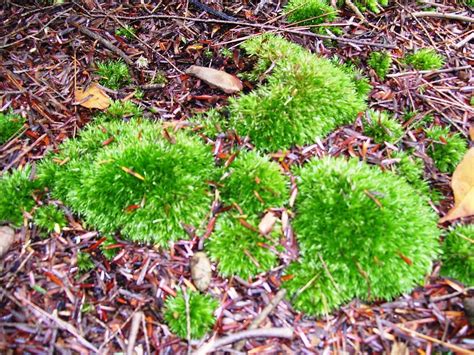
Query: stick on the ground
point(104, 42)
point(286, 333)
point(447, 70)
point(442, 15)
point(136, 321)
point(261, 317)
point(464, 41)
point(211, 11)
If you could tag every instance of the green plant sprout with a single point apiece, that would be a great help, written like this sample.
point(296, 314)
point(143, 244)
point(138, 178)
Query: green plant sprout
point(84, 262)
point(144, 181)
point(226, 53)
point(126, 31)
point(124, 109)
point(304, 96)
point(16, 195)
point(372, 5)
point(254, 183)
point(9, 125)
point(425, 59)
point(361, 232)
point(109, 252)
point(380, 62)
point(49, 218)
point(458, 254)
point(446, 149)
point(113, 74)
point(381, 127)
point(200, 313)
point(239, 249)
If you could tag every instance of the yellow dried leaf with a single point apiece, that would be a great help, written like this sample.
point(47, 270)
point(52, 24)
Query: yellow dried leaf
point(463, 189)
point(228, 83)
point(92, 97)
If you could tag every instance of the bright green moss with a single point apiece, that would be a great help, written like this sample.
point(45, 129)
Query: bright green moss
point(458, 254)
point(425, 59)
point(372, 5)
point(411, 168)
point(446, 149)
point(16, 195)
point(240, 250)
point(113, 74)
point(9, 125)
point(381, 127)
point(124, 109)
point(139, 182)
point(310, 13)
point(107, 249)
point(361, 82)
point(375, 234)
point(49, 218)
point(304, 97)
point(201, 314)
point(84, 262)
point(380, 62)
point(254, 184)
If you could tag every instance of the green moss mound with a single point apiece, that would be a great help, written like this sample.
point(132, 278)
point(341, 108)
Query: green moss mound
point(201, 310)
point(371, 230)
point(304, 97)
point(254, 183)
point(113, 74)
point(49, 218)
point(458, 254)
point(128, 177)
point(9, 125)
point(425, 59)
point(239, 249)
point(380, 62)
point(16, 195)
point(310, 13)
point(446, 149)
point(381, 127)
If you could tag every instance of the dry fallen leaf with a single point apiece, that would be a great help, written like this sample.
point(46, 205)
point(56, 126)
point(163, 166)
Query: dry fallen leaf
point(399, 349)
point(201, 271)
point(218, 78)
point(92, 97)
point(7, 237)
point(266, 224)
point(463, 189)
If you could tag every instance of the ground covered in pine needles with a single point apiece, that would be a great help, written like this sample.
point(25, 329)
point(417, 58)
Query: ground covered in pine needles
point(47, 305)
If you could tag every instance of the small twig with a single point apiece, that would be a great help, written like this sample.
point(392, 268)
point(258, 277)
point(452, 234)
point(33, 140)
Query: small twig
point(467, 39)
point(211, 11)
point(260, 6)
point(20, 156)
point(286, 333)
point(447, 70)
point(261, 317)
point(443, 16)
point(104, 42)
point(355, 9)
point(132, 337)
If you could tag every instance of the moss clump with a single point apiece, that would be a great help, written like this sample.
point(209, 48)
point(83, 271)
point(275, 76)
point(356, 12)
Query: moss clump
point(425, 59)
point(126, 31)
point(113, 74)
point(380, 62)
point(304, 97)
point(129, 177)
point(254, 184)
point(49, 218)
point(372, 5)
point(123, 109)
point(458, 254)
point(84, 262)
point(366, 233)
point(381, 127)
point(446, 149)
point(16, 195)
point(108, 248)
point(310, 13)
point(239, 249)
point(201, 314)
point(411, 168)
point(9, 125)
point(361, 82)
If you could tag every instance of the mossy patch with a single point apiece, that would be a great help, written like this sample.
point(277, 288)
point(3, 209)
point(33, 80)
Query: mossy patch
point(458, 254)
point(9, 125)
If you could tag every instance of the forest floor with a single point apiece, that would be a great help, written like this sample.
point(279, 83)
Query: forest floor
point(48, 306)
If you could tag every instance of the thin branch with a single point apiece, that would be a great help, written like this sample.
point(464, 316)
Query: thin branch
point(442, 15)
point(286, 333)
point(430, 72)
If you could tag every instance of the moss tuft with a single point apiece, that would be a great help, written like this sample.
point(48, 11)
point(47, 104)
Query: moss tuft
point(381, 127)
point(239, 249)
point(304, 97)
point(369, 232)
point(84, 262)
point(124, 109)
point(201, 314)
point(425, 59)
point(113, 74)
point(49, 218)
point(458, 254)
point(380, 62)
point(129, 177)
point(254, 184)
point(9, 125)
point(446, 149)
point(126, 31)
point(310, 13)
point(16, 195)
point(107, 249)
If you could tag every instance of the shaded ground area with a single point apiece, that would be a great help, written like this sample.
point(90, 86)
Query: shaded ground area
point(46, 305)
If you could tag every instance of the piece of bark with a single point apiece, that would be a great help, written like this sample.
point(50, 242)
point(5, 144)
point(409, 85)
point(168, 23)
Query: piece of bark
point(7, 237)
point(201, 271)
point(228, 83)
